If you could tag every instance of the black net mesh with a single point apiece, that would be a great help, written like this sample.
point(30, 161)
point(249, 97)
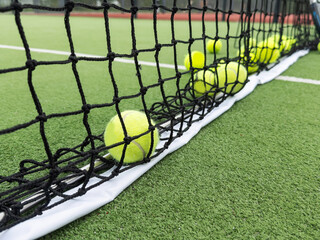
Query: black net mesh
point(174, 105)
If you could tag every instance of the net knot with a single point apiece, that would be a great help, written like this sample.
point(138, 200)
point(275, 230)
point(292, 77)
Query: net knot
point(135, 52)
point(143, 90)
point(81, 191)
point(69, 6)
point(42, 117)
point(86, 108)
point(134, 10)
point(152, 128)
point(94, 152)
point(17, 206)
point(111, 56)
point(17, 6)
point(158, 47)
point(54, 172)
point(127, 140)
point(191, 40)
point(73, 58)
point(31, 64)
point(178, 75)
point(116, 100)
point(174, 9)
point(105, 5)
point(205, 8)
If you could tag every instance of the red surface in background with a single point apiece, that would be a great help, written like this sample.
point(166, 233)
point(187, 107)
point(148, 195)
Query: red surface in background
point(256, 17)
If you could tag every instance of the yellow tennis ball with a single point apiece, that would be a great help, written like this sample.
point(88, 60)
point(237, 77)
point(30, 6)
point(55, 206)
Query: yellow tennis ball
point(232, 77)
point(319, 46)
point(251, 48)
point(204, 82)
point(276, 39)
point(136, 123)
point(267, 51)
point(253, 66)
point(288, 44)
point(214, 45)
point(219, 63)
point(197, 59)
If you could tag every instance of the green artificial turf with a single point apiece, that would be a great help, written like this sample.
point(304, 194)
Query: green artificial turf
point(306, 67)
point(251, 174)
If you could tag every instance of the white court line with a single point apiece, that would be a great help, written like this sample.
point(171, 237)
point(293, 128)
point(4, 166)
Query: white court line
point(123, 60)
point(152, 64)
point(299, 80)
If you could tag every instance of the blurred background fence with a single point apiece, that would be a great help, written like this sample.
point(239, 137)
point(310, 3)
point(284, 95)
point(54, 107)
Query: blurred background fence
point(235, 5)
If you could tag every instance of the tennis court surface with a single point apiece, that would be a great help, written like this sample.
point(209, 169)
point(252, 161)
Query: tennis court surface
point(234, 165)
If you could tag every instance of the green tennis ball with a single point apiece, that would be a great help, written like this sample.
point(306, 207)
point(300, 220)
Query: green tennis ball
point(231, 77)
point(214, 46)
point(319, 46)
point(267, 51)
point(136, 123)
point(203, 83)
point(197, 59)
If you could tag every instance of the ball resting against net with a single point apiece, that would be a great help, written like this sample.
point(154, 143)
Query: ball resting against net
point(203, 82)
point(214, 46)
point(268, 51)
point(231, 77)
point(136, 123)
point(253, 66)
point(197, 60)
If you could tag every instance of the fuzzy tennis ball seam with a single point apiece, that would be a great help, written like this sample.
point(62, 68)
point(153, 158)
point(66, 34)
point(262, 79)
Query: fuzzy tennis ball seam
point(133, 141)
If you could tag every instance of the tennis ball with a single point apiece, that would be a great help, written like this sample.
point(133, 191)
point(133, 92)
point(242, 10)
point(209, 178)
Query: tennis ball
point(319, 46)
point(252, 65)
point(219, 63)
point(276, 39)
point(214, 45)
point(136, 123)
point(197, 59)
point(267, 51)
point(252, 46)
point(288, 45)
point(203, 83)
point(231, 77)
